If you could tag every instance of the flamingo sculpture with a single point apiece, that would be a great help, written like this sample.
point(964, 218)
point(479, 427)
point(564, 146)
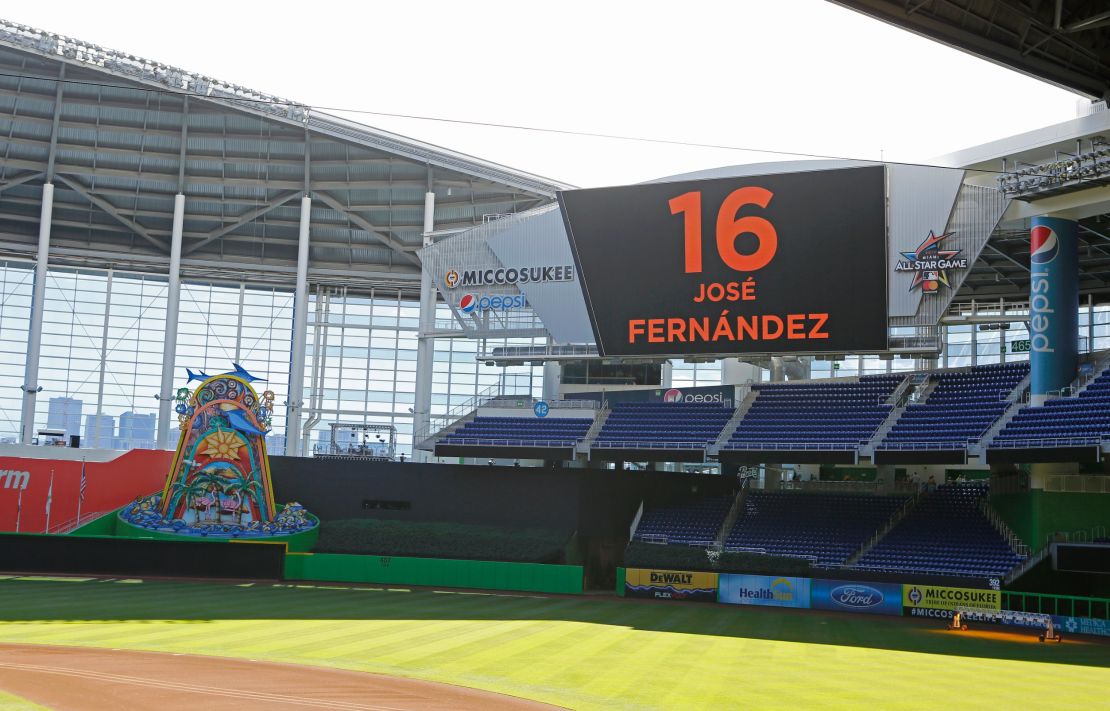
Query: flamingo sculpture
point(204, 502)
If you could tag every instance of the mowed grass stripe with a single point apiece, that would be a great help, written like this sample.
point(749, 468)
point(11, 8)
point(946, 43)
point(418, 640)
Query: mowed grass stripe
point(580, 652)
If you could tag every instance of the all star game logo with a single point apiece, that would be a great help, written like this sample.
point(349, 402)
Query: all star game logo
point(930, 264)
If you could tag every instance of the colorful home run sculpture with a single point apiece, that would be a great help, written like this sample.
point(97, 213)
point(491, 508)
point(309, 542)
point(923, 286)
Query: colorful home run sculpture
point(219, 482)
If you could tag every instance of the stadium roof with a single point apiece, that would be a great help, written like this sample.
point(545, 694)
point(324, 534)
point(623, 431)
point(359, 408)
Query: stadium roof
point(129, 133)
point(1065, 43)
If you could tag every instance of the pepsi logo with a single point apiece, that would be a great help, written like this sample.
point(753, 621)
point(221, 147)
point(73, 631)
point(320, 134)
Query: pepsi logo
point(469, 303)
point(1043, 245)
point(672, 395)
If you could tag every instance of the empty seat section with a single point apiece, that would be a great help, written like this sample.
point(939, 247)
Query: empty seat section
point(677, 425)
point(962, 407)
point(946, 533)
point(833, 415)
point(521, 431)
point(825, 527)
point(1062, 422)
point(691, 524)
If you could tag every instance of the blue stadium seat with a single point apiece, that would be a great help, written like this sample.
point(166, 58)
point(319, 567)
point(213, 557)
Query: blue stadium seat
point(663, 425)
point(832, 415)
point(946, 533)
point(963, 406)
point(690, 524)
point(520, 432)
point(827, 528)
point(1083, 420)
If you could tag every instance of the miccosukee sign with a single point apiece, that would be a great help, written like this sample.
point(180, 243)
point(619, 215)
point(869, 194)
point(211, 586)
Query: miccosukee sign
point(792, 262)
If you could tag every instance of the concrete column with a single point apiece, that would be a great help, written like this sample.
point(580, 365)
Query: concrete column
point(34, 336)
point(666, 374)
point(173, 311)
point(425, 344)
point(736, 372)
point(552, 379)
point(884, 477)
point(1053, 306)
point(295, 406)
point(778, 370)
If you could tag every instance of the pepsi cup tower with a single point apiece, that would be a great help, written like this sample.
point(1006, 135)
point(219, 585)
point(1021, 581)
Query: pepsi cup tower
point(1053, 305)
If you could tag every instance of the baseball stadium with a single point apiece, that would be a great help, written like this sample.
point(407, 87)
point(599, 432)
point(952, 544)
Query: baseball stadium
point(296, 412)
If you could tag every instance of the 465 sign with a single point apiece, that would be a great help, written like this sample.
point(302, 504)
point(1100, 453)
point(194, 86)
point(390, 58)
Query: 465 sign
point(795, 263)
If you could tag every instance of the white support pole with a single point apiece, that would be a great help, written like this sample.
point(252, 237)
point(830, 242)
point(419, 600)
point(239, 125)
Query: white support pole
point(295, 405)
point(98, 433)
point(425, 344)
point(173, 311)
point(34, 335)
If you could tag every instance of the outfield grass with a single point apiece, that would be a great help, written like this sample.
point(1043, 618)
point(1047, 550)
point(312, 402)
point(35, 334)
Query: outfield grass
point(11, 702)
point(578, 652)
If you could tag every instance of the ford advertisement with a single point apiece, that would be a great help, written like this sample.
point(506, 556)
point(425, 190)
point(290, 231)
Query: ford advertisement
point(848, 596)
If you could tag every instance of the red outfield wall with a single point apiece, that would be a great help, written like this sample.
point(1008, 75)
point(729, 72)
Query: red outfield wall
point(109, 485)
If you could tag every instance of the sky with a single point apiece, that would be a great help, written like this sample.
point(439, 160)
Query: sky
point(801, 76)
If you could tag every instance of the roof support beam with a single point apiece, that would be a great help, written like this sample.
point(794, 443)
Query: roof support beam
point(111, 210)
point(1090, 23)
point(363, 223)
point(244, 219)
point(999, 252)
point(25, 178)
point(54, 125)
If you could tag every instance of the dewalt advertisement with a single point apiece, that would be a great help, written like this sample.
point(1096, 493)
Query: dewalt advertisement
point(670, 585)
point(937, 601)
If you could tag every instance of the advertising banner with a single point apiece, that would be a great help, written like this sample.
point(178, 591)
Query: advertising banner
point(848, 596)
point(784, 263)
point(929, 600)
point(764, 590)
point(1081, 625)
point(35, 491)
point(670, 585)
point(722, 395)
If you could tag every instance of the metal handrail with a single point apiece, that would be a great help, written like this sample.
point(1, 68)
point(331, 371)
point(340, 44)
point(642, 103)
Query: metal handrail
point(791, 446)
point(503, 442)
point(1036, 443)
point(647, 444)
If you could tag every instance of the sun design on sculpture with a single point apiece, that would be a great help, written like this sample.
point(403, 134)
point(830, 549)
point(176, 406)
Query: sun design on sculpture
point(222, 445)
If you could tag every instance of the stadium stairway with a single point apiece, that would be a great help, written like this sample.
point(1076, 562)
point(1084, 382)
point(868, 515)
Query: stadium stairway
point(733, 513)
point(868, 450)
point(595, 429)
point(895, 519)
point(734, 422)
point(960, 407)
point(1004, 530)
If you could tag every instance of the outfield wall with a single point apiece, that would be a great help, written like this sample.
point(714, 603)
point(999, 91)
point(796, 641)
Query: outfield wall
point(434, 572)
point(113, 556)
point(26, 483)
